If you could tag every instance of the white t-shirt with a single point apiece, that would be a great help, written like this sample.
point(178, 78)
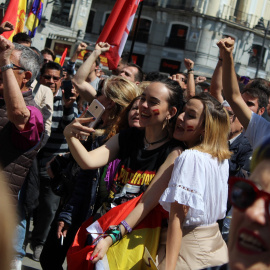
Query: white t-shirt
point(258, 128)
point(200, 182)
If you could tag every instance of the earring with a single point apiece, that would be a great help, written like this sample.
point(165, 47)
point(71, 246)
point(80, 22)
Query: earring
point(201, 138)
point(167, 121)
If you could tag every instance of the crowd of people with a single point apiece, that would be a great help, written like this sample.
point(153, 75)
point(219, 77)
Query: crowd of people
point(173, 176)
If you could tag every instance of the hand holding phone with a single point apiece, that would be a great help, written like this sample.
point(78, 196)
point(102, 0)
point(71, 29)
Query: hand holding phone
point(96, 109)
point(67, 87)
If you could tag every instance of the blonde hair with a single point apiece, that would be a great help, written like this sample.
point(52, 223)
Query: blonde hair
point(216, 128)
point(7, 225)
point(122, 92)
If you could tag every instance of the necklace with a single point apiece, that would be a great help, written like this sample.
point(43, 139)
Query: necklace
point(148, 144)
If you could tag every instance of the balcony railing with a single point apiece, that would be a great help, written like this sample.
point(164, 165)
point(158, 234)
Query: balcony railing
point(239, 17)
point(179, 4)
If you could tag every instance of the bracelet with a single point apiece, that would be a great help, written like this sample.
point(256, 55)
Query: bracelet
point(127, 227)
point(191, 69)
point(6, 67)
point(115, 233)
point(220, 59)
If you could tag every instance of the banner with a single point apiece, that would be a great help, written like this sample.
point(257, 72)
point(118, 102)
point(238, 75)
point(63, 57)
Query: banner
point(34, 17)
point(15, 14)
point(145, 234)
point(117, 28)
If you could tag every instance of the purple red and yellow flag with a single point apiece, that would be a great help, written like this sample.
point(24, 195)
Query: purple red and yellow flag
point(15, 14)
point(128, 253)
point(34, 17)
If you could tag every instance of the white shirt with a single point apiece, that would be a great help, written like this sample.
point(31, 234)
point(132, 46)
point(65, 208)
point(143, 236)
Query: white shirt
point(200, 182)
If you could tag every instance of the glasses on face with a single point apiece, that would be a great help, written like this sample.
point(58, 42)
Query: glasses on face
point(243, 193)
point(48, 77)
point(45, 61)
point(18, 67)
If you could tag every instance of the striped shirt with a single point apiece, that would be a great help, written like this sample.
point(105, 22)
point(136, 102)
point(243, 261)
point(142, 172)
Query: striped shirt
point(61, 117)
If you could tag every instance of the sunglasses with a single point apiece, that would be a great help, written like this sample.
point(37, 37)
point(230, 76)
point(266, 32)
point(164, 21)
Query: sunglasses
point(48, 77)
point(243, 193)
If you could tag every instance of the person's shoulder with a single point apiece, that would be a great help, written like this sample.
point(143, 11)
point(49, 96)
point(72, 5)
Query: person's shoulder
point(176, 144)
point(197, 153)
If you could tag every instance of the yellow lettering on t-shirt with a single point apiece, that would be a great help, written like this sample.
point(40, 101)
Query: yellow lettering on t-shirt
point(137, 177)
point(144, 176)
point(122, 173)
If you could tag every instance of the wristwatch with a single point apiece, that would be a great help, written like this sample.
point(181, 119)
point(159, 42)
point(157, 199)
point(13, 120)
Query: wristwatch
point(6, 67)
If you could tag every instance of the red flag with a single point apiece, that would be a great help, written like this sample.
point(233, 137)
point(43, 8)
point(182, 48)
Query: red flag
point(15, 14)
point(62, 61)
point(146, 233)
point(116, 29)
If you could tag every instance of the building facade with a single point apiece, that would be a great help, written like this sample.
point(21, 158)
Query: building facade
point(169, 31)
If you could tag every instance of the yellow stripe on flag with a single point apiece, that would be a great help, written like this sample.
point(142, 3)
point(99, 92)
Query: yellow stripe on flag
point(32, 22)
point(19, 27)
point(128, 253)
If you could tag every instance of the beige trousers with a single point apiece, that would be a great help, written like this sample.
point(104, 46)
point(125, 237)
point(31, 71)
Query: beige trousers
point(201, 247)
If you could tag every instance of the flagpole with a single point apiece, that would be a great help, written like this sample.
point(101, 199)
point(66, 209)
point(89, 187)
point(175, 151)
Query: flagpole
point(135, 33)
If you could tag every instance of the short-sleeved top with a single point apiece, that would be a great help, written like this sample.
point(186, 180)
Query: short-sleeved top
point(258, 128)
point(30, 136)
point(138, 166)
point(200, 182)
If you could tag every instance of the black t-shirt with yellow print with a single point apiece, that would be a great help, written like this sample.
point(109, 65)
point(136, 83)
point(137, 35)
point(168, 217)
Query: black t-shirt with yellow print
point(138, 166)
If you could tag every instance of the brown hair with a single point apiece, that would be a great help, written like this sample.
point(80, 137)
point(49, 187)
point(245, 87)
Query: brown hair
point(217, 127)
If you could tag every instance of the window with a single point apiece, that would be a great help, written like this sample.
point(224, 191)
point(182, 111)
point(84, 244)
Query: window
point(177, 37)
point(137, 59)
point(255, 55)
point(62, 13)
point(105, 18)
point(90, 21)
point(143, 30)
point(169, 66)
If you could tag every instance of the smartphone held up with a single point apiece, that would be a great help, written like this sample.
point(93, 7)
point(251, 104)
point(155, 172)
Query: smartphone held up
point(67, 87)
point(95, 110)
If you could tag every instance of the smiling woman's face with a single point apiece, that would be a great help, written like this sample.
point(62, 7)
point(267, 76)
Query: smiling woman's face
point(153, 105)
point(189, 125)
point(133, 115)
point(249, 241)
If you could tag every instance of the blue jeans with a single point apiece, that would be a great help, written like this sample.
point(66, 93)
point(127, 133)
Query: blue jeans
point(21, 225)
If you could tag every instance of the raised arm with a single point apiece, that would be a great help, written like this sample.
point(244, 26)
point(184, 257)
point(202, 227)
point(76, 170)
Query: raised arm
point(6, 26)
point(93, 159)
point(85, 89)
point(72, 61)
point(148, 201)
point(189, 64)
point(17, 111)
point(82, 46)
point(216, 82)
point(230, 84)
